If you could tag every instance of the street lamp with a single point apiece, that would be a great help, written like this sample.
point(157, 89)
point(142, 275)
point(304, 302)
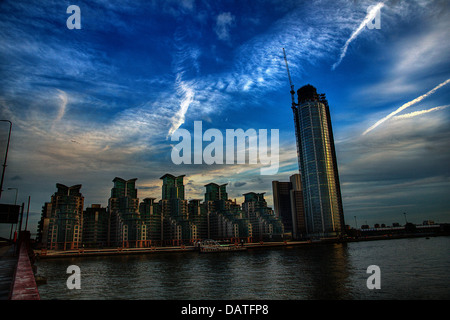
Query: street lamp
point(15, 202)
point(17, 191)
point(6, 155)
point(404, 213)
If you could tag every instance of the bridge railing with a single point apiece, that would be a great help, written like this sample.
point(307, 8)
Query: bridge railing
point(24, 284)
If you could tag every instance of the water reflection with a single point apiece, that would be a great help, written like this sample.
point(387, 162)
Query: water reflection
point(299, 273)
point(296, 273)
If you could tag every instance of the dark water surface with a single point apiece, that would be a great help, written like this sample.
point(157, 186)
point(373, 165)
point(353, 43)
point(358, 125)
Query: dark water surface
point(416, 268)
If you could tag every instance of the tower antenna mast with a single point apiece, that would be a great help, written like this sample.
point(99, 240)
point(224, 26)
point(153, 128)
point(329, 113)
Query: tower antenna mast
point(290, 81)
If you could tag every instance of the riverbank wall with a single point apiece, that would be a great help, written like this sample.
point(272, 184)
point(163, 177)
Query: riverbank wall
point(52, 254)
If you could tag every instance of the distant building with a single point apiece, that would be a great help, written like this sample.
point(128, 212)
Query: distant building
point(176, 225)
point(151, 222)
point(197, 215)
point(216, 192)
point(123, 206)
point(173, 220)
point(225, 220)
point(297, 208)
point(289, 206)
point(281, 192)
point(265, 226)
point(61, 222)
point(173, 187)
point(317, 164)
point(42, 232)
point(95, 226)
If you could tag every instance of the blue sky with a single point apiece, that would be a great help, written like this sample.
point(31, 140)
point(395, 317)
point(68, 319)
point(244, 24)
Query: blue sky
point(91, 104)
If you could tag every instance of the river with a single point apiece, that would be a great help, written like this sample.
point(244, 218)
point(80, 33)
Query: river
point(414, 268)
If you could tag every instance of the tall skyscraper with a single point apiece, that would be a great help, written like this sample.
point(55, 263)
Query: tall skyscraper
point(317, 164)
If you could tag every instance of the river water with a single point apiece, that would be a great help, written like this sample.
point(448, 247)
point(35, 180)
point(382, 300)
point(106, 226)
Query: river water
point(414, 268)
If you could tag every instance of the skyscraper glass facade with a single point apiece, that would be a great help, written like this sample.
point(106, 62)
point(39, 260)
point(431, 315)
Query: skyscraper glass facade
point(317, 164)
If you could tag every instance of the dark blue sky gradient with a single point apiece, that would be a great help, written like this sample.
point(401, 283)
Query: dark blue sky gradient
point(92, 104)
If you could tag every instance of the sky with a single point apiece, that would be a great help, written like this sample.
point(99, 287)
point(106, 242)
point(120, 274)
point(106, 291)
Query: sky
point(103, 101)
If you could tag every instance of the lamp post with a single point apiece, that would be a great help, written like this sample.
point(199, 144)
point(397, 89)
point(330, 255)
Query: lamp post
point(15, 202)
point(6, 155)
point(17, 191)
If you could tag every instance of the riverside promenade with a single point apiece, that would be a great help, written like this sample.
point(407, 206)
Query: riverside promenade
point(86, 252)
point(48, 254)
point(17, 280)
point(24, 283)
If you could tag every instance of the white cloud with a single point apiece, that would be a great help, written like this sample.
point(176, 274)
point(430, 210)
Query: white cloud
point(406, 105)
point(62, 109)
point(420, 112)
point(369, 17)
point(188, 4)
point(224, 22)
point(187, 97)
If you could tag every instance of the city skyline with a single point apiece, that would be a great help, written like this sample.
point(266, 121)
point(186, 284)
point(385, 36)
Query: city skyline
point(130, 221)
point(102, 101)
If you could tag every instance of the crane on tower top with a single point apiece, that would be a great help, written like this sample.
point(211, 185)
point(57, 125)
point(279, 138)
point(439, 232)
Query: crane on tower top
point(290, 80)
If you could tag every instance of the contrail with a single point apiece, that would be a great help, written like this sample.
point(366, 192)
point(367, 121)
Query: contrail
point(188, 97)
point(418, 113)
point(369, 17)
point(406, 105)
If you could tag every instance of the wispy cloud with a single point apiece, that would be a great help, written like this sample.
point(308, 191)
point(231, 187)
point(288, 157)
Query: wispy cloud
point(406, 105)
point(62, 109)
point(117, 103)
point(224, 22)
point(187, 94)
point(369, 17)
point(420, 112)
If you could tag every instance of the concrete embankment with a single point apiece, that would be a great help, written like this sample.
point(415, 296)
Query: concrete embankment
point(24, 284)
point(48, 254)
